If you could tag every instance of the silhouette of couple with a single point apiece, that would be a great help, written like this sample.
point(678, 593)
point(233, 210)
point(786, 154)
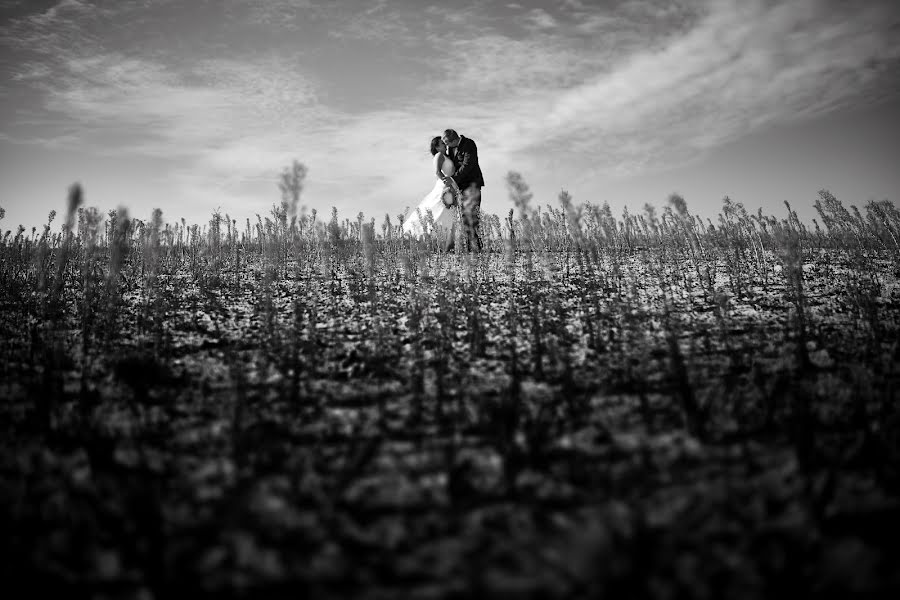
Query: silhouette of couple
point(457, 188)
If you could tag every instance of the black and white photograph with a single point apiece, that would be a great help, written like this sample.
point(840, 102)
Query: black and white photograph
point(449, 299)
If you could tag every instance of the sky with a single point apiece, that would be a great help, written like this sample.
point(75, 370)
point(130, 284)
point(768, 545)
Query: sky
point(197, 105)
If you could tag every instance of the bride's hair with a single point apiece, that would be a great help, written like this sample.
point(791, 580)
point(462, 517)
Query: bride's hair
point(434, 144)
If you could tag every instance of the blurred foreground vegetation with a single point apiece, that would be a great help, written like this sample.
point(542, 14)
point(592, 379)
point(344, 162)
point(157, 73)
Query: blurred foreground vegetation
point(654, 405)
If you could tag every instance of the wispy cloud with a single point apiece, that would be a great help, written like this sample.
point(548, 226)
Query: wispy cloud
point(378, 21)
point(56, 29)
point(538, 19)
point(224, 121)
point(275, 13)
point(62, 10)
point(577, 88)
point(744, 66)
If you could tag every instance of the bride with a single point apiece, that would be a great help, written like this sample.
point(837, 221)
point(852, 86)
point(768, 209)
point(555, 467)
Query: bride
point(441, 200)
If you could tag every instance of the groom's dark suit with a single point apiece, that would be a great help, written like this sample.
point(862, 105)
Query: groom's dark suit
point(470, 180)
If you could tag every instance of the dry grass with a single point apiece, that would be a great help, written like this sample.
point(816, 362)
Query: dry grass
point(653, 404)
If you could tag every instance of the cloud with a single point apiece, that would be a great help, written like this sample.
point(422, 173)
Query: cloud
point(584, 91)
point(538, 19)
point(498, 66)
point(230, 126)
point(745, 66)
point(63, 9)
point(52, 31)
point(378, 22)
point(54, 142)
point(31, 71)
point(273, 13)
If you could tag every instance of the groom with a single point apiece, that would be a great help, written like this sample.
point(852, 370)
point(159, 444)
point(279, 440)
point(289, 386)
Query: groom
point(470, 180)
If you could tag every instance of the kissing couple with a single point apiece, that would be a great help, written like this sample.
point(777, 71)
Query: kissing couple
point(457, 188)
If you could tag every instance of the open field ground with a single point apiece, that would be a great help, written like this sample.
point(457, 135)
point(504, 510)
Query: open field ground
point(651, 406)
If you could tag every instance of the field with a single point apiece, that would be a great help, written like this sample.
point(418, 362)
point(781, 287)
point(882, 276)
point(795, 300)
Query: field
point(653, 406)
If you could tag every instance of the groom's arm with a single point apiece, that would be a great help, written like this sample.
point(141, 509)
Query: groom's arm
point(468, 160)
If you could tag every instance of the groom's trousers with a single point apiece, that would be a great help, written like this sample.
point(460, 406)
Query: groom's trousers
point(471, 217)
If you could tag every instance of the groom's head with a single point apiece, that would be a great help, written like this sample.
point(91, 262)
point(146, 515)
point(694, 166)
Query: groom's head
point(450, 137)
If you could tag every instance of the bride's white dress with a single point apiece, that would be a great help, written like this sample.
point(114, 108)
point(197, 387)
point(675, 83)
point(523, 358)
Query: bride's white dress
point(444, 217)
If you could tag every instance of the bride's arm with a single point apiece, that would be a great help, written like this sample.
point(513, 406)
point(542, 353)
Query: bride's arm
point(438, 163)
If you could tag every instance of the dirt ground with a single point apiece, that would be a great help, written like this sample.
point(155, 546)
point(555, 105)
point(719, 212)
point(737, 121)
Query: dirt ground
point(455, 428)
